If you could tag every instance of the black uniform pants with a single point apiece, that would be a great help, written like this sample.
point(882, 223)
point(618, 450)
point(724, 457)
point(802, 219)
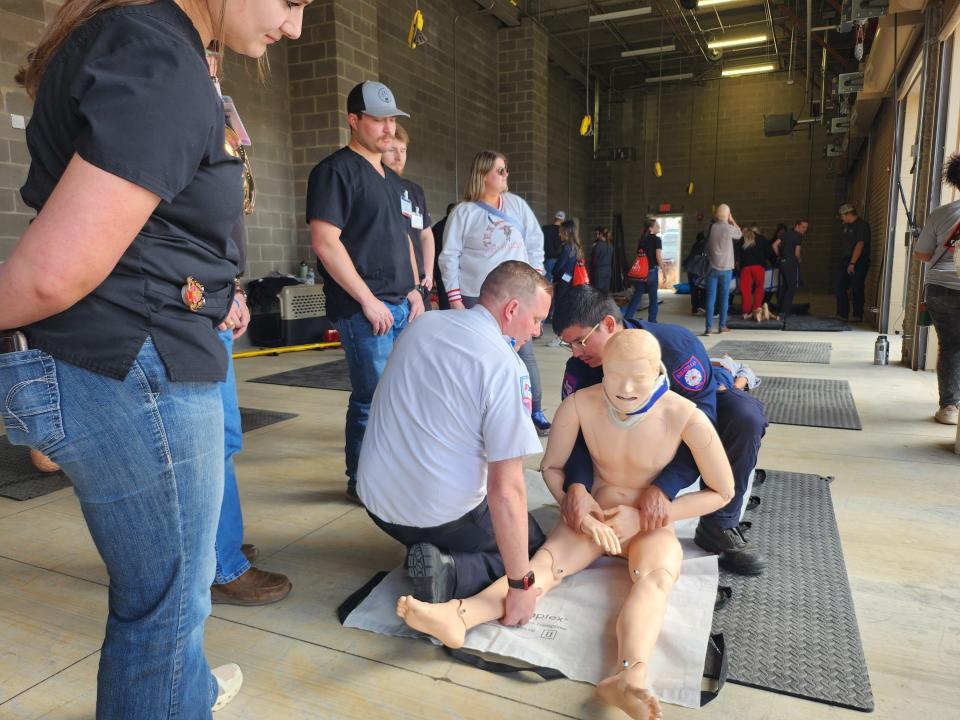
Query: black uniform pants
point(741, 425)
point(845, 282)
point(789, 282)
point(470, 541)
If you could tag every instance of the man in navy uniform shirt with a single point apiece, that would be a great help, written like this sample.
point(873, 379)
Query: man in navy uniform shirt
point(356, 210)
point(585, 319)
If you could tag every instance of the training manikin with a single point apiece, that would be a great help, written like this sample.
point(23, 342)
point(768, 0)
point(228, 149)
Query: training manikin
point(633, 425)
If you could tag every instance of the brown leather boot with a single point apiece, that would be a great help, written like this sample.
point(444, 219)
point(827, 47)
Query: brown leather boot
point(250, 552)
point(254, 587)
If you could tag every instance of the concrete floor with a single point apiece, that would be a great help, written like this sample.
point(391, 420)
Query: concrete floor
point(896, 502)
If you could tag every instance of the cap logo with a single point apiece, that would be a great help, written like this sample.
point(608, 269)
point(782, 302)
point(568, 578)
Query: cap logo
point(384, 95)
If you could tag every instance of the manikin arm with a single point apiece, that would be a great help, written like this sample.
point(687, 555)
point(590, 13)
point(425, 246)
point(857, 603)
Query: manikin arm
point(703, 441)
point(563, 436)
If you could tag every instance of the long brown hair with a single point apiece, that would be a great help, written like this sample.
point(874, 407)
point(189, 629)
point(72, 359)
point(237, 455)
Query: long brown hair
point(570, 236)
point(70, 16)
point(483, 163)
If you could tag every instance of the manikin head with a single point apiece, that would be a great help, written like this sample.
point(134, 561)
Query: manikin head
point(586, 319)
point(631, 368)
point(518, 297)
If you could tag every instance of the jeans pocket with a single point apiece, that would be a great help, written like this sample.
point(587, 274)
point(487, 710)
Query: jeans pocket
point(30, 399)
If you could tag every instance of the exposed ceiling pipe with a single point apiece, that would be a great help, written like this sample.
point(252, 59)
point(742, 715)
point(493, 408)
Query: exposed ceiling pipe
point(806, 95)
point(773, 31)
point(823, 81)
point(690, 29)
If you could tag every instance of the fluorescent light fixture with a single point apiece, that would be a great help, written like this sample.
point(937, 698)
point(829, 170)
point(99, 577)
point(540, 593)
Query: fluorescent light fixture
point(648, 51)
point(748, 70)
point(711, 3)
point(669, 78)
point(736, 42)
point(619, 14)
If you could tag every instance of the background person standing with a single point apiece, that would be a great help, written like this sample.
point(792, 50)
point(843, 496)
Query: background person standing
point(723, 231)
point(851, 275)
point(787, 250)
point(355, 208)
point(491, 226)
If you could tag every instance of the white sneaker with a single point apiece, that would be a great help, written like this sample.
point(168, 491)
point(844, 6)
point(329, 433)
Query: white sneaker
point(947, 415)
point(229, 679)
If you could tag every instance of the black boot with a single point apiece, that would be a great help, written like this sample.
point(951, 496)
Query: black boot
point(434, 573)
point(735, 553)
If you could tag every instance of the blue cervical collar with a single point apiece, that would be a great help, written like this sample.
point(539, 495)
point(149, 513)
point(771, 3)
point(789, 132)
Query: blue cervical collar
point(662, 386)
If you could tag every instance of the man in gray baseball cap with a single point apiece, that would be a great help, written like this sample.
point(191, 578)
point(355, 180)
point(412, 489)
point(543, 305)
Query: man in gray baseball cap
point(357, 209)
point(373, 98)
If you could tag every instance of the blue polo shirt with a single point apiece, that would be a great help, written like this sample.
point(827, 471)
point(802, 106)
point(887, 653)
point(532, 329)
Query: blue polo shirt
point(691, 375)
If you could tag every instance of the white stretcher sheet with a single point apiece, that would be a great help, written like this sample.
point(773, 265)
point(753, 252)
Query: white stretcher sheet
point(574, 630)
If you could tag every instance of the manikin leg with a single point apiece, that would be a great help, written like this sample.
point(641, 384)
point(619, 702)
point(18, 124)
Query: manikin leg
point(654, 562)
point(564, 553)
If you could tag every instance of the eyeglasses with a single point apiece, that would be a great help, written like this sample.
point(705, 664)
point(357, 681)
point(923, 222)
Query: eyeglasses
point(502, 172)
point(234, 148)
point(581, 343)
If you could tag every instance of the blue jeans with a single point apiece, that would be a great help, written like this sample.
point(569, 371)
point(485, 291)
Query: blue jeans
point(718, 282)
point(231, 563)
point(366, 357)
point(645, 287)
point(146, 459)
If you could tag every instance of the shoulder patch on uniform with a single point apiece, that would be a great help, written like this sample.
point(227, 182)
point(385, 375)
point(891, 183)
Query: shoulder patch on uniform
point(691, 375)
point(526, 393)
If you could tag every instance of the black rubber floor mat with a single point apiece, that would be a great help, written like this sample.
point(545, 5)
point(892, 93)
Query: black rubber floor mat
point(253, 419)
point(20, 480)
point(793, 630)
point(326, 376)
point(814, 402)
point(799, 352)
point(811, 323)
point(738, 323)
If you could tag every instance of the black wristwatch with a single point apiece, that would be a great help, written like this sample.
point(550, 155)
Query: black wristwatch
point(524, 583)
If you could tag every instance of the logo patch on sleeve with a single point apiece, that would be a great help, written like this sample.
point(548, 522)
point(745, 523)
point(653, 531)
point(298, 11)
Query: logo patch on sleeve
point(526, 393)
point(569, 385)
point(690, 376)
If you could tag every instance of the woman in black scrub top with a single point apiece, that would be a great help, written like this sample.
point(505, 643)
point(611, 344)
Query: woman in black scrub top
point(115, 289)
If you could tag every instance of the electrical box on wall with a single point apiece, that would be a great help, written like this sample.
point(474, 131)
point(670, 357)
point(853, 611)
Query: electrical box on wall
point(774, 125)
point(839, 125)
point(850, 83)
point(834, 149)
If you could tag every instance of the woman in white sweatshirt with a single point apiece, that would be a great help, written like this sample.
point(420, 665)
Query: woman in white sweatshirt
point(490, 226)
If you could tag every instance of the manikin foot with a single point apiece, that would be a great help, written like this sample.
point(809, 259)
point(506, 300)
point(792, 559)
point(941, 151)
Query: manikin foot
point(626, 691)
point(440, 620)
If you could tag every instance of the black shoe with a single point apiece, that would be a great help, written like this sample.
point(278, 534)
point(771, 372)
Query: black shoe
point(433, 572)
point(724, 593)
point(735, 553)
point(753, 503)
point(352, 494)
point(759, 477)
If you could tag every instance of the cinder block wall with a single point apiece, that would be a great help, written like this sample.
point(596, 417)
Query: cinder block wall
point(712, 133)
point(21, 24)
point(569, 156)
point(264, 107)
point(451, 116)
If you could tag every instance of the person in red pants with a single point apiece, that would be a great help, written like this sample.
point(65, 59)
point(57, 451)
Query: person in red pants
point(752, 256)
